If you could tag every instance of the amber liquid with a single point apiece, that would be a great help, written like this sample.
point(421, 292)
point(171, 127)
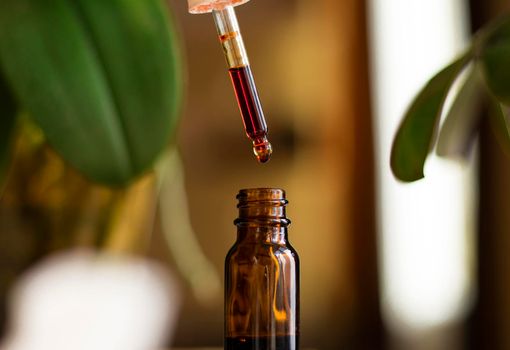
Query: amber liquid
point(262, 343)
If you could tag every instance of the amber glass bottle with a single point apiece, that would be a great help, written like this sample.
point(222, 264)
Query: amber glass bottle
point(262, 276)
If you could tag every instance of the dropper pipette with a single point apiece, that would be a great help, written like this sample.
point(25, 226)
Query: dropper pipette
point(240, 72)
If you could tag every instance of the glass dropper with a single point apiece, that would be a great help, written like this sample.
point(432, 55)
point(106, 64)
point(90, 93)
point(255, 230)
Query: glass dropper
point(239, 70)
point(242, 80)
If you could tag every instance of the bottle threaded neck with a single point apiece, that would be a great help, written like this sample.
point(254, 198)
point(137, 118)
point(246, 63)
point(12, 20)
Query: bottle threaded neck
point(262, 206)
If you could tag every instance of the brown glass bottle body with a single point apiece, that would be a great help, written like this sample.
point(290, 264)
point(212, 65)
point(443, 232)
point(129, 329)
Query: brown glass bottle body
point(262, 277)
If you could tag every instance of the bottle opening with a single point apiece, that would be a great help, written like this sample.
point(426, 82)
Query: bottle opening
point(262, 206)
point(260, 194)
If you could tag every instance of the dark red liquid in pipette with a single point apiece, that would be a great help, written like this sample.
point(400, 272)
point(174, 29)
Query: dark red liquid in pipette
point(251, 111)
point(248, 100)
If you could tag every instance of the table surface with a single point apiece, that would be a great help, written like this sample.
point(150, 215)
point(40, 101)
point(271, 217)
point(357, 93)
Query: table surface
point(216, 348)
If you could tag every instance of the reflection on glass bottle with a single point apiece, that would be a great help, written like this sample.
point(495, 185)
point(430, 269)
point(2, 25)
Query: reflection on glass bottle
point(262, 276)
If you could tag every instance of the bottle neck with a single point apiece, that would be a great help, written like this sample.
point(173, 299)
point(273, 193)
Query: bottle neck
point(262, 234)
point(262, 216)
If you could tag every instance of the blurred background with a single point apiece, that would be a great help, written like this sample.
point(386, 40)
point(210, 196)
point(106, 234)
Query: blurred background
point(384, 265)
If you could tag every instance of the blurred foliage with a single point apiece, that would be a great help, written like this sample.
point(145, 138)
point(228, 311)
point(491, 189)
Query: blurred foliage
point(101, 78)
point(48, 206)
point(413, 139)
point(487, 63)
point(465, 110)
point(55, 203)
point(90, 93)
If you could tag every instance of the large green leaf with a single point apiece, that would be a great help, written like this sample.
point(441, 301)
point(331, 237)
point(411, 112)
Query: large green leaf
point(495, 60)
point(7, 121)
point(102, 78)
point(414, 138)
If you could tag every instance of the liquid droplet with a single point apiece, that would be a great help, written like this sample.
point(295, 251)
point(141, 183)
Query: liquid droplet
point(262, 149)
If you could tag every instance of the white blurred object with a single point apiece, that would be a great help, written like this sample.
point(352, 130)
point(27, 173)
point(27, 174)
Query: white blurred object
point(94, 301)
point(427, 227)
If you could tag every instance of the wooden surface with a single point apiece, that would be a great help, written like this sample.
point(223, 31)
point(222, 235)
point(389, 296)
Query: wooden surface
point(196, 349)
point(215, 348)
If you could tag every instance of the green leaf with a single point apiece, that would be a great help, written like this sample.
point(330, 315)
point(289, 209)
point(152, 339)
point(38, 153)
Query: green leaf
point(495, 59)
point(7, 121)
point(414, 139)
point(460, 126)
point(101, 78)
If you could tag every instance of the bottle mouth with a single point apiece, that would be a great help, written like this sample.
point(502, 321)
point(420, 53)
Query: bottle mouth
point(262, 206)
point(264, 194)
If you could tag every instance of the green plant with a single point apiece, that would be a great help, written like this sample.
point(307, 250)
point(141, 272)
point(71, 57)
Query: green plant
point(101, 78)
point(486, 63)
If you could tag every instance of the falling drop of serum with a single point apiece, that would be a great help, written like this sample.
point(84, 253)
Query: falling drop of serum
point(262, 149)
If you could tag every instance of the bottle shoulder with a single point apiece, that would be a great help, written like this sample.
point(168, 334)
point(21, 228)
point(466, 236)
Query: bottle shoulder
point(293, 250)
point(260, 253)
